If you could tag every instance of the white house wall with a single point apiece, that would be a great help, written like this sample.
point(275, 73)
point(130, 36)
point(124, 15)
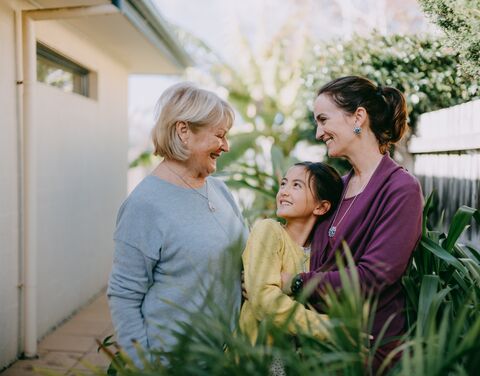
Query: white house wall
point(82, 164)
point(82, 167)
point(9, 190)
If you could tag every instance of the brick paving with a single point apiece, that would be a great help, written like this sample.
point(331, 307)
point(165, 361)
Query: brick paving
point(71, 348)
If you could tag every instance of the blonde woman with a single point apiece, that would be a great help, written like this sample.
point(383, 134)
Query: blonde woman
point(177, 226)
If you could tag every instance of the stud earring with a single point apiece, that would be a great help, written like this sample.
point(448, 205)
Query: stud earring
point(356, 129)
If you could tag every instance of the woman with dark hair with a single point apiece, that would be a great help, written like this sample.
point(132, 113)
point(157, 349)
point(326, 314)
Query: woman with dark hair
point(380, 212)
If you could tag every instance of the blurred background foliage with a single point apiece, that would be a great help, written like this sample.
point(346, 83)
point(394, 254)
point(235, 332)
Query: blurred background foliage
point(273, 90)
point(460, 20)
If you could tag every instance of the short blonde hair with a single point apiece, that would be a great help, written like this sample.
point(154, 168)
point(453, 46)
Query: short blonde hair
point(184, 102)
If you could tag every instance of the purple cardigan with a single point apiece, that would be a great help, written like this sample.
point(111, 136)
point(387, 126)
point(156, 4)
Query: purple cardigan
point(382, 229)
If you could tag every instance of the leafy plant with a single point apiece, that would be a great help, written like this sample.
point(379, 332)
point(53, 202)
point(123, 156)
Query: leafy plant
point(440, 262)
point(460, 20)
point(443, 291)
point(443, 299)
point(273, 89)
point(421, 67)
point(207, 345)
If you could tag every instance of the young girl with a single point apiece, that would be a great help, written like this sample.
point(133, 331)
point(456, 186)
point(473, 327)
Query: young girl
point(308, 193)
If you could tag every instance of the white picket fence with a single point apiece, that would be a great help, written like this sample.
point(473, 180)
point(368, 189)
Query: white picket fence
point(446, 152)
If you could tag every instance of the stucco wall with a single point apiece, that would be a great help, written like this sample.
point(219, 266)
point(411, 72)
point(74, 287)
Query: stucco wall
point(82, 164)
point(9, 321)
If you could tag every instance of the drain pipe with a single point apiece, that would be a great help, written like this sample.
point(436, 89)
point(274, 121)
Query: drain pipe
point(29, 130)
point(29, 188)
point(20, 174)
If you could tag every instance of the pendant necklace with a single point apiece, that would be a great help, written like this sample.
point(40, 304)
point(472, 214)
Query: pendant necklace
point(211, 207)
point(333, 228)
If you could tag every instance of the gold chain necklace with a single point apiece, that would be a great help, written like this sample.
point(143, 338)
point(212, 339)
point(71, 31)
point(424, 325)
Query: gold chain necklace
point(211, 207)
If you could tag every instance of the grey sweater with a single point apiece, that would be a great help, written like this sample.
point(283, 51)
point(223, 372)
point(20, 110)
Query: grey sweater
point(169, 249)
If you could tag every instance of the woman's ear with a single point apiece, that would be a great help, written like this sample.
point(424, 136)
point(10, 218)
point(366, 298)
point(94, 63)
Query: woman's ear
point(360, 115)
point(183, 131)
point(322, 208)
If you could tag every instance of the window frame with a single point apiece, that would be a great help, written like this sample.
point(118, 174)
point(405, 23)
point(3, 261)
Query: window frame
point(47, 54)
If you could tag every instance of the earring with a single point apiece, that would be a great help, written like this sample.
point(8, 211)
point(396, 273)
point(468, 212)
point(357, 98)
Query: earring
point(357, 130)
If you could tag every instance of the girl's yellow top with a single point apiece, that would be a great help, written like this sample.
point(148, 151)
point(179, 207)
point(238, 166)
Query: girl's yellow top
point(270, 251)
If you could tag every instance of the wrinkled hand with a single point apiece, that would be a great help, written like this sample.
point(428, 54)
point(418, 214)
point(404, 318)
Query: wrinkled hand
point(244, 290)
point(286, 282)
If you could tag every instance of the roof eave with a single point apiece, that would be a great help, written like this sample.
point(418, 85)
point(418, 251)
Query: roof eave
point(144, 16)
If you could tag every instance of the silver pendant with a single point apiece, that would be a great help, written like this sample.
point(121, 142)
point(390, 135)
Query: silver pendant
point(331, 231)
point(210, 206)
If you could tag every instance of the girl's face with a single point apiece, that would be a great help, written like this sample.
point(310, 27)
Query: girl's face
point(295, 198)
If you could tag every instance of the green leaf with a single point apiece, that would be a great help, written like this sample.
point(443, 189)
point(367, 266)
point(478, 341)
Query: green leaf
point(440, 252)
point(144, 159)
point(239, 144)
point(244, 184)
point(428, 290)
point(278, 162)
point(460, 222)
point(426, 209)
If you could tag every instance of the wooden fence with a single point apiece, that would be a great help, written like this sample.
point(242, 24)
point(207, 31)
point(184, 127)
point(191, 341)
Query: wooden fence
point(446, 152)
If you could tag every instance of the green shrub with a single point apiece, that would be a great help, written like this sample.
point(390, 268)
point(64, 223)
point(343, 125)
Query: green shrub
point(460, 20)
point(443, 301)
point(422, 68)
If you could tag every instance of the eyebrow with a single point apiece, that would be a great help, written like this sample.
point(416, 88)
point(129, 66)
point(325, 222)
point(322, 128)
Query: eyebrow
point(294, 180)
point(317, 117)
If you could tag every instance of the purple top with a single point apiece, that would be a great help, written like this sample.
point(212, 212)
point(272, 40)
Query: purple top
point(382, 229)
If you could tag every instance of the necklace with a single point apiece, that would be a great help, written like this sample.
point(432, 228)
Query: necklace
point(211, 207)
point(333, 229)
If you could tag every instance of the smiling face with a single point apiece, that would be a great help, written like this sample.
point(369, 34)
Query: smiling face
point(334, 126)
point(205, 146)
point(295, 198)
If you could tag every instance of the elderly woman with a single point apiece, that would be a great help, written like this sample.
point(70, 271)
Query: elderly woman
point(380, 213)
point(177, 226)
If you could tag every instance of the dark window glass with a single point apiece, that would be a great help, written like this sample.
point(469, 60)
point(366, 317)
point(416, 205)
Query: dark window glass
point(56, 70)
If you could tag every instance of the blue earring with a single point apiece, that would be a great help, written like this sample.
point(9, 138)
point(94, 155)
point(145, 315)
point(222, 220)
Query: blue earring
point(357, 130)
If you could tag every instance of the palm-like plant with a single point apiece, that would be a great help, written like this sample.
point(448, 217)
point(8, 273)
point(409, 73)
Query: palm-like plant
point(441, 262)
point(443, 290)
point(207, 345)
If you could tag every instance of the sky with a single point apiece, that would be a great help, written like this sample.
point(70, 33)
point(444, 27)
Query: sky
point(215, 22)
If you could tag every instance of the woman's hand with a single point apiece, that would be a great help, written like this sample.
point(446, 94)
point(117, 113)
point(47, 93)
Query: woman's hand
point(286, 282)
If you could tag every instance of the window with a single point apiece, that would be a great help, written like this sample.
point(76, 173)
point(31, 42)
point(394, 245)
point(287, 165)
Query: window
point(56, 70)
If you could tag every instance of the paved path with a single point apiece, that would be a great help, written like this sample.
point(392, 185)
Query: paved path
point(66, 350)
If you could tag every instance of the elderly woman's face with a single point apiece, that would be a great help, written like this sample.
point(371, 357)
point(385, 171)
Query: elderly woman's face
point(206, 146)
